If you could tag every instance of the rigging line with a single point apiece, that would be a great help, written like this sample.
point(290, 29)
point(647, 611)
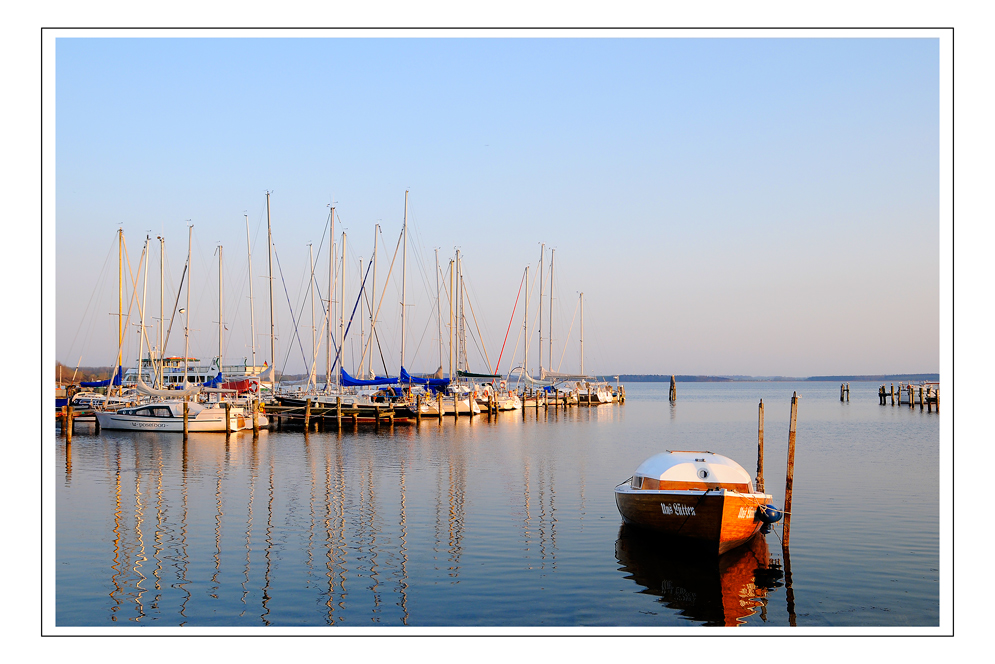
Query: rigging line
point(352, 315)
point(384, 293)
point(569, 332)
point(176, 304)
point(296, 331)
point(100, 278)
point(374, 331)
point(518, 340)
point(469, 301)
point(510, 321)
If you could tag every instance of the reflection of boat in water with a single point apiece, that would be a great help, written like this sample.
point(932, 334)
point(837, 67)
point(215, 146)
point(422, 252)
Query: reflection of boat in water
point(701, 496)
point(713, 590)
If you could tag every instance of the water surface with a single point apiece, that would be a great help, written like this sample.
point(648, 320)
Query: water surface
point(507, 522)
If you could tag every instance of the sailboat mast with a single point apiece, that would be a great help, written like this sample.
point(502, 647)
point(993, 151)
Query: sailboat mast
point(525, 363)
point(362, 323)
point(451, 302)
point(373, 295)
point(404, 274)
point(120, 299)
point(331, 290)
point(438, 297)
point(252, 311)
point(552, 252)
point(342, 312)
point(141, 326)
point(314, 347)
point(186, 323)
point(221, 326)
point(272, 319)
point(162, 349)
point(542, 255)
point(581, 334)
point(459, 316)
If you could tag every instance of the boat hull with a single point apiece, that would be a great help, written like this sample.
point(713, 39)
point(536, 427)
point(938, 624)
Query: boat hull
point(718, 520)
point(205, 421)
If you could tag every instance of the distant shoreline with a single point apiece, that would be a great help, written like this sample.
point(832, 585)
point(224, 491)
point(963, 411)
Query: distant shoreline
point(659, 378)
point(102, 373)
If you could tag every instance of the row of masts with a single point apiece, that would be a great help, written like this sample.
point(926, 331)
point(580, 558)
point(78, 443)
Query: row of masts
point(458, 347)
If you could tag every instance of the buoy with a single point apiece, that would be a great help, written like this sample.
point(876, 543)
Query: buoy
point(769, 514)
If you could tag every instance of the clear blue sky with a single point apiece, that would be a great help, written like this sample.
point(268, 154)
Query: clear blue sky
point(727, 206)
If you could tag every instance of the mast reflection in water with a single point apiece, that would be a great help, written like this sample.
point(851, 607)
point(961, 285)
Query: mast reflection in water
point(507, 521)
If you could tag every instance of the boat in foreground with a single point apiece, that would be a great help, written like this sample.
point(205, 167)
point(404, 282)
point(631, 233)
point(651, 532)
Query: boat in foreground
point(702, 497)
point(168, 416)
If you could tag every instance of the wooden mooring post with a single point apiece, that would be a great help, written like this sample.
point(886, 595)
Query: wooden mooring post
point(69, 425)
point(186, 418)
point(338, 412)
point(255, 417)
point(673, 388)
point(438, 401)
point(892, 394)
point(789, 480)
point(227, 418)
point(760, 450)
point(307, 414)
point(418, 409)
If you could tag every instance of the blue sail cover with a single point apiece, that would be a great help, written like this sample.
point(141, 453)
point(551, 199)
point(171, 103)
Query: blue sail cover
point(431, 382)
point(349, 381)
point(214, 382)
point(104, 383)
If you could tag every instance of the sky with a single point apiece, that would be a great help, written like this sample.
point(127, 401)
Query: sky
point(728, 206)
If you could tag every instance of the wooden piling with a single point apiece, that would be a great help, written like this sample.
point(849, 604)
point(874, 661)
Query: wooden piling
point(227, 418)
point(920, 398)
point(929, 400)
point(418, 409)
point(438, 401)
point(255, 417)
point(673, 388)
point(790, 475)
point(69, 425)
point(307, 414)
point(841, 392)
point(937, 400)
point(848, 392)
point(760, 450)
point(186, 418)
point(455, 406)
point(338, 412)
point(892, 394)
point(63, 420)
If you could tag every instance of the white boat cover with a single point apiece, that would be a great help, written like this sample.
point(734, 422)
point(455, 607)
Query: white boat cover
point(562, 376)
point(688, 466)
point(166, 394)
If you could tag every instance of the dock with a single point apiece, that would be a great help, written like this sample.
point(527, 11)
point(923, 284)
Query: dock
point(926, 395)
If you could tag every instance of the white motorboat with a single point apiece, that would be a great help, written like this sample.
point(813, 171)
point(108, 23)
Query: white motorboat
point(168, 416)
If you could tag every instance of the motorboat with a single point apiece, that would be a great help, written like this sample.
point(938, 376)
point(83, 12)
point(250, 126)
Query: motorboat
point(168, 416)
point(701, 497)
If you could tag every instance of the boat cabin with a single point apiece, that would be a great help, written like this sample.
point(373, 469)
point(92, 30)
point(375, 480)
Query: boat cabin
point(691, 471)
point(164, 409)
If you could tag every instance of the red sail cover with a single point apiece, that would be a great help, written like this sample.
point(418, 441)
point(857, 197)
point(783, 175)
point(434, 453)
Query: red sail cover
point(247, 385)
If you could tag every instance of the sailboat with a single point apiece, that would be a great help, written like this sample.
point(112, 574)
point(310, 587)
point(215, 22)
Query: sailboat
point(166, 414)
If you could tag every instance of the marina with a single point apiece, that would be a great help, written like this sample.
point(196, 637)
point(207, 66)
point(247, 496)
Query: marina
point(526, 332)
point(456, 524)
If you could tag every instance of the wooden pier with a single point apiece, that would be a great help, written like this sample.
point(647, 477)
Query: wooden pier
point(926, 396)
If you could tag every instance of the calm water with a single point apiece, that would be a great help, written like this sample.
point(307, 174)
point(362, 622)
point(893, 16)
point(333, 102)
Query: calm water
point(505, 523)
